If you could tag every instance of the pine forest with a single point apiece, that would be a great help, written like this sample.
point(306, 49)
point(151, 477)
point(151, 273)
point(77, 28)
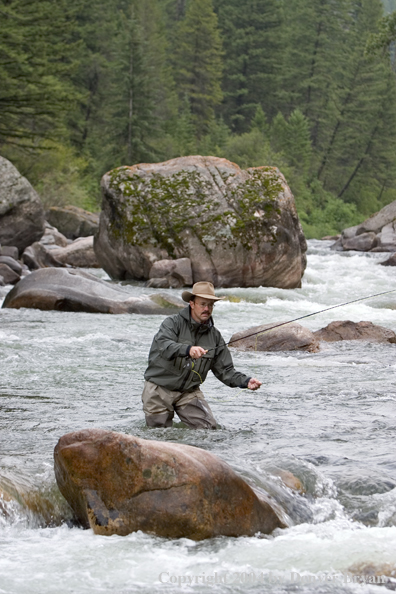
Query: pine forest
point(308, 86)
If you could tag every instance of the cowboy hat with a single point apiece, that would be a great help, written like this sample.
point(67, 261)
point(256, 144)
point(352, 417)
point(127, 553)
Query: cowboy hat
point(201, 289)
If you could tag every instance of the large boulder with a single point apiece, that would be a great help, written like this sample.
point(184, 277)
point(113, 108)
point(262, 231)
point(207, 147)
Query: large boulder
point(66, 289)
point(21, 211)
point(376, 234)
point(73, 221)
point(118, 484)
point(347, 330)
point(279, 336)
point(238, 227)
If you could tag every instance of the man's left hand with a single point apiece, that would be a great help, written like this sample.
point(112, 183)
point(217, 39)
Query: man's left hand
point(254, 384)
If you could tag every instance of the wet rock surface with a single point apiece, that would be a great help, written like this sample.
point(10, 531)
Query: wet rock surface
point(117, 484)
point(347, 330)
point(267, 337)
point(64, 289)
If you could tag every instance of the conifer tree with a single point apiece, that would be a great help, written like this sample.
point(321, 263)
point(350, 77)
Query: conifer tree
point(198, 62)
point(252, 51)
point(37, 55)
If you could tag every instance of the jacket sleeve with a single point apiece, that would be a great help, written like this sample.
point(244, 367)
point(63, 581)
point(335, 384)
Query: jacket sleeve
point(166, 340)
point(223, 368)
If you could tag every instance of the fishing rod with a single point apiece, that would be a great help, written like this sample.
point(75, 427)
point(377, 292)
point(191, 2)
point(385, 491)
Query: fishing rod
point(303, 317)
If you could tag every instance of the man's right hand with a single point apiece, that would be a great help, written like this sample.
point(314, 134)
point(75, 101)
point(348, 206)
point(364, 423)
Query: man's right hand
point(196, 352)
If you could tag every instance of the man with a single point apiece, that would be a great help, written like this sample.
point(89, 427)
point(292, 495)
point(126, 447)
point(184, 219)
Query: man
point(185, 348)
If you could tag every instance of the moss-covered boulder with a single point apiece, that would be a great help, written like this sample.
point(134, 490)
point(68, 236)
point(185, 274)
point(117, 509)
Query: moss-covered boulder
point(238, 227)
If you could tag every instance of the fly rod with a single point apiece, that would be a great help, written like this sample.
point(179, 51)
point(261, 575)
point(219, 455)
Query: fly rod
point(303, 317)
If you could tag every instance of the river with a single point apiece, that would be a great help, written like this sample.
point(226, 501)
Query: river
point(327, 417)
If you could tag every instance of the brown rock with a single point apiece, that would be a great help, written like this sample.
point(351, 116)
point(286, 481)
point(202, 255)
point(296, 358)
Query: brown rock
point(66, 289)
point(11, 263)
point(117, 484)
point(38, 256)
point(288, 337)
point(361, 243)
point(10, 277)
point(347, 330)
point(391, 261)
point(239, 228)
point(9, 250)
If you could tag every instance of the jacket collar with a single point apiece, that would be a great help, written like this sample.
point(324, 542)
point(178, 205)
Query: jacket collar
point(186, 314)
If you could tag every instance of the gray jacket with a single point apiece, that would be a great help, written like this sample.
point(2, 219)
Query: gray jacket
point(170, 365)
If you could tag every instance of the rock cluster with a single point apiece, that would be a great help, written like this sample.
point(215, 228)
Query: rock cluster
point(118, 484)
point(293, 337)
point(376, 234)
point(28, 242)
point(237, 227)
point(69, 289)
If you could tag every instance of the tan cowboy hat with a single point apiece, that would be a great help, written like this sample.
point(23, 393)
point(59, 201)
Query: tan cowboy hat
point(201, 289)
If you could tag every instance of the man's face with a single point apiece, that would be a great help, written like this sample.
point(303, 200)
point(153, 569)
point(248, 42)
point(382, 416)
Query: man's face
point(201, 309)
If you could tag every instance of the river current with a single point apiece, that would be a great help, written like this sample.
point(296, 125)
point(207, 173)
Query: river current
point(327, 417)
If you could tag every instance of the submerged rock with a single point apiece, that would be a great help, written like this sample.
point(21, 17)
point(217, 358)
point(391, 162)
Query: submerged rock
point(239, 228)
point(21, 211)
point(347, 330)
point(76, 290)
point(289, 337)
point(117, 484)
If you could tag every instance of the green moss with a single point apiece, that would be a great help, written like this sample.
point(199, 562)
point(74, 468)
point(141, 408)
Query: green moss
point(156, 210)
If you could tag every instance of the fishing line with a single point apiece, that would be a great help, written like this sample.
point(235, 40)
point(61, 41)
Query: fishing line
point(303, 317)
point(296, 320)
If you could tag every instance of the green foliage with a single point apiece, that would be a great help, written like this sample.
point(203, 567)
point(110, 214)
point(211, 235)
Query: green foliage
point(198, 63)
point(307, 86)
point(37, 56)
point(252, 52)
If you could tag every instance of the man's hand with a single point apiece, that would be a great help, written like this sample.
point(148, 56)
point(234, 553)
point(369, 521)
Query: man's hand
point(196, 352)
point(254, 384)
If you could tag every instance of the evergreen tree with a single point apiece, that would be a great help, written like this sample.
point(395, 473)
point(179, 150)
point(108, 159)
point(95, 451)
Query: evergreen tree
point(252, 51)
point(198, 62)
point(37, 55)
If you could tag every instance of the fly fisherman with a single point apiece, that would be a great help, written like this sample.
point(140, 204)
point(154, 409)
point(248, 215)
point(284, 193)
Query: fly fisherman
point(185, 348)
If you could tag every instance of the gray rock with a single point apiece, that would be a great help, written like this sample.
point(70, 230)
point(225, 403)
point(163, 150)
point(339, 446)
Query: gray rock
point(361, 243)
point(37, 256)
point(52, 237)
point(2, 281)
point(10, 277)
point(66, 289)
point(347, 330)
point(13, 264)
point(72, 221)
point(21, 211)
point(378, 220)
point(158, 283)
point(177, 272)
point(349, 232)
point(238, 227)
point(9, 250)
point(79, 253)
point(391, 261)
point(289, 337)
